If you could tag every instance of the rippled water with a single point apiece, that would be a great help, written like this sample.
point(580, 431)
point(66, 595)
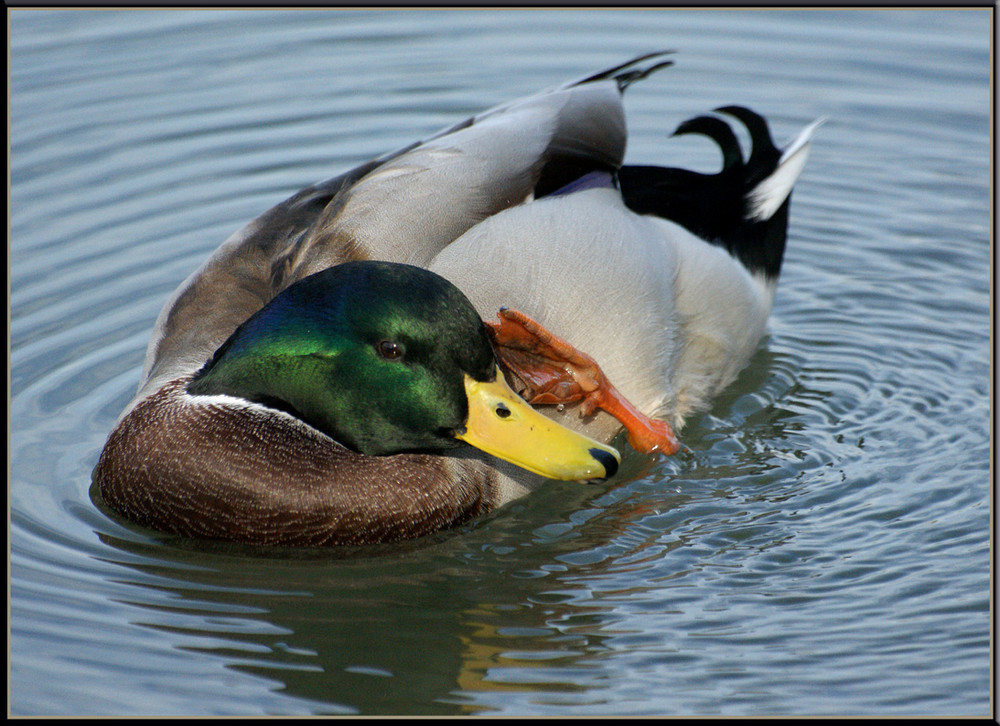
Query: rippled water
point(823, 549)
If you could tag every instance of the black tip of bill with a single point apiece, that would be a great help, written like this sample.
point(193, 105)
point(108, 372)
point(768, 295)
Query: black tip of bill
point(609, 462)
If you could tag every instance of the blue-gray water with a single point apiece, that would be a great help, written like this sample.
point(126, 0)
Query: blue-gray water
point(823, 549)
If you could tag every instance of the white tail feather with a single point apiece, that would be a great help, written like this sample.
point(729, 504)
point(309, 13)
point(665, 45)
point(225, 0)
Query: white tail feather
point(765, 198)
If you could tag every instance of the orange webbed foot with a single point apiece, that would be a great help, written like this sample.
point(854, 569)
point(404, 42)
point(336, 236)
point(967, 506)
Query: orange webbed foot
point(556, 372)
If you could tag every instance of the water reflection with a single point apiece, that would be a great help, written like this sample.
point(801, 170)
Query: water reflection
point(332, 630)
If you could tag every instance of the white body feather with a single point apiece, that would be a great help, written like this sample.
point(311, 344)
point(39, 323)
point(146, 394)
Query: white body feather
point(669, 318)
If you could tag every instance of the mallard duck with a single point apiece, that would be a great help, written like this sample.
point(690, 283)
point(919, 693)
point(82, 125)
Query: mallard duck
point(352, 366)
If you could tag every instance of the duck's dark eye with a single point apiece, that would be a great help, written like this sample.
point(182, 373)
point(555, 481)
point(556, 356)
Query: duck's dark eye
point(390, 350)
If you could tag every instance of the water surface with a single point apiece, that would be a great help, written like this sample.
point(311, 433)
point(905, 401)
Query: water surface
point(824, 548)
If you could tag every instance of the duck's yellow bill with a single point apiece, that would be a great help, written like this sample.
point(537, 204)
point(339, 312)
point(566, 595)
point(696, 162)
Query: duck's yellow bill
point(503, 424)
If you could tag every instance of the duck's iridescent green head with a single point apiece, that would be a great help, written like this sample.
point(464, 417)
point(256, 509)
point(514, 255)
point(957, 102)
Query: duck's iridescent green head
point(389, 358)
point(371, 353)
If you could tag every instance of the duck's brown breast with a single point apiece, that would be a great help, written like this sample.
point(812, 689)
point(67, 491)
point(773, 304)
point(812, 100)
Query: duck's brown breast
point(245, 473)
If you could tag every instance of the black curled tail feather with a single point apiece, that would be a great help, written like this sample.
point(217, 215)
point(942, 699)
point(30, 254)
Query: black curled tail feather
point(764, 155)
point(721, 208)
